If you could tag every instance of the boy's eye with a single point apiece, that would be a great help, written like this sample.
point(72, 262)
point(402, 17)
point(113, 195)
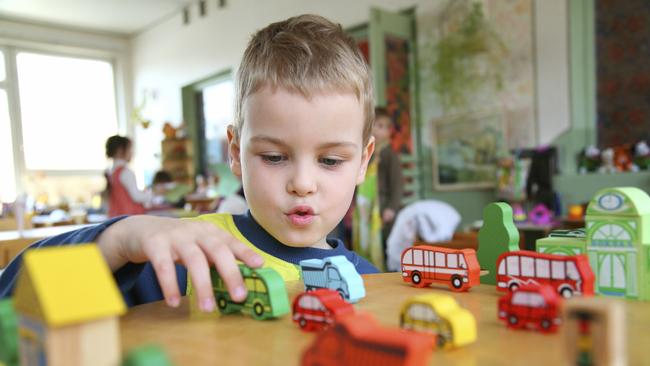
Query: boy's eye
point(273, 158)
point(330, 162)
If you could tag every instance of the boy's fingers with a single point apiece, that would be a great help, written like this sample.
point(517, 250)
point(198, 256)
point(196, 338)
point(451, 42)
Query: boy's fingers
point(244, 253)
point(199, 271)
point(224, 261)
point(163, 265)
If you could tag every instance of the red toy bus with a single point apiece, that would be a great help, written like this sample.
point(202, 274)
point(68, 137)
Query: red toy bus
point(316, 310)
point(423, 265)
point(532, 306)
point(359, 340)
point(568, 275)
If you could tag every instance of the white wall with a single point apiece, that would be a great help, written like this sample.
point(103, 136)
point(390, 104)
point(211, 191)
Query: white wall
point(171, 55)
point(553, 104)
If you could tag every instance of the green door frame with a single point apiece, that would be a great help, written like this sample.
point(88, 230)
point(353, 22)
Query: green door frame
point(191, 113)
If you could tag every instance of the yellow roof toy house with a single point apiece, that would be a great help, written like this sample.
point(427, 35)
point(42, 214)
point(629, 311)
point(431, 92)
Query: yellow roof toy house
point(68, 306)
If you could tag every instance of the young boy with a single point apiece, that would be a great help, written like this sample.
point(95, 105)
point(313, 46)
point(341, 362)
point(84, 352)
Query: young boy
point(300, 143)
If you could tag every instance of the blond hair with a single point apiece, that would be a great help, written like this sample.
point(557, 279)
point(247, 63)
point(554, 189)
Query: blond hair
point(307, 54)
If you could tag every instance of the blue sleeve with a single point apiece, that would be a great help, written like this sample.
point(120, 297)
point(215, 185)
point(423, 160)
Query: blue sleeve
point(137, 282)
point(361, 264)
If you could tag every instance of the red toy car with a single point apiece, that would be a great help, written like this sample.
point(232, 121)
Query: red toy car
point(316, 310)
point(531, 306)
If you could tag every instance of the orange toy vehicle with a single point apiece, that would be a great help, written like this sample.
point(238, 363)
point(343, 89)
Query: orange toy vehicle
point(359, 340)
point(423, 265)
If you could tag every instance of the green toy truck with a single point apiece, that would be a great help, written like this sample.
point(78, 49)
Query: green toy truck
point(267, 296)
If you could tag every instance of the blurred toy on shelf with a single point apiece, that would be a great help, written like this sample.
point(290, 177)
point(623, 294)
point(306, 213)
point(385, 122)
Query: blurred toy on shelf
point(534, 307)
point(594, 332)
point(641, 159)
point(540, 215)
point(576, 212)
point(589, 160)
point(424, 265)
point(440, 315)
point(335, 273)
point(318, 309)
point(607, 162)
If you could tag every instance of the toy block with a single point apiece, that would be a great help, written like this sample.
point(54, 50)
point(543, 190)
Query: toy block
point(423, 265)
point(318, 309)
point(497, 235)
point(533, 307)
point(439, 314)
point(594, 330)
point(618, 235)
point(151, 355)
point(358, 339)
point(568, 275)
point(68, 306)
point(336, 273)
point(267, 295)
point(8, 333)
point(563, 242)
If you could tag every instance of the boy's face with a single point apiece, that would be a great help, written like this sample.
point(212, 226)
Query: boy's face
point(299, 160)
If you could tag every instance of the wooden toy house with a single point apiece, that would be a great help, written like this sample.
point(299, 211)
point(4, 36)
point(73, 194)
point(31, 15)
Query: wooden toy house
point(618, 241)
point(68, 306)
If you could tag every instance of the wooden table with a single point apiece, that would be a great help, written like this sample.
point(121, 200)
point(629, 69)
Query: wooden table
point(240, 340)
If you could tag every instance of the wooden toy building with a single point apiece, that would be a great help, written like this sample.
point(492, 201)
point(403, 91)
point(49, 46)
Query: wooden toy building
point(617, 241)
point(68, 306)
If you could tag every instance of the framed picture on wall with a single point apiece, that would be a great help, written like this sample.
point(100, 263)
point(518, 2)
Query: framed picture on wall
point(465, 151)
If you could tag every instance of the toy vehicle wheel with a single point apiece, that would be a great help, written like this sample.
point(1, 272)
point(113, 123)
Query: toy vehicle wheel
point(566, 293)
point(258, 309)
point(513, 320)
point(513, 287)
point(456, 282)
point(341, 294)
point(545, 324)
point(416, 278)
point(222, 303)
point(302, 322)
point(441, 341)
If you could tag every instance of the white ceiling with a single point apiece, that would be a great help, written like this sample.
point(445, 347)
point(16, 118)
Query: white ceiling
point(117, 16)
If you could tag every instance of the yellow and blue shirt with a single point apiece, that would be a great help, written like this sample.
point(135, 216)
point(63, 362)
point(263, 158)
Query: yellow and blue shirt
point(138, 282)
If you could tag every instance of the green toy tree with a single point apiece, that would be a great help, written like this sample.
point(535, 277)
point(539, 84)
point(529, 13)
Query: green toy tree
point(497, 235)
point(8, 334)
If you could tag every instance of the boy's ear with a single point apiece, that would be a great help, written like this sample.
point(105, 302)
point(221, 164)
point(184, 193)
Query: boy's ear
point(234, 152)
point(365, 159)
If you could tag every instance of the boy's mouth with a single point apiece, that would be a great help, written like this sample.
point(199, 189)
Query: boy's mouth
point(301, 215)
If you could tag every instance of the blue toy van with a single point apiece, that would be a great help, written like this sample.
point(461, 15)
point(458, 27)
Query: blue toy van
point(335, 273)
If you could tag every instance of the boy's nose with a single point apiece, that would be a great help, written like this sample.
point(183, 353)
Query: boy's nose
point(302, 182)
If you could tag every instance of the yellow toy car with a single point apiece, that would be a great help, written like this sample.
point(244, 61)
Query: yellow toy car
point(441, 315)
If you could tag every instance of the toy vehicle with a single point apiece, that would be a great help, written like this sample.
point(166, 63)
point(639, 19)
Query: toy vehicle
point(267, 296)
point(439, 314)
point(359, 340)
point(336, 273)
point(532, 306)
point(568, 275)
point(316, 310)
point(423, 265)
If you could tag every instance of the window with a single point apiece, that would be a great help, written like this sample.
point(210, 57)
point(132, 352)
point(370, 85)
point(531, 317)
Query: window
point(536, 300)
point(431, 256)
point(462, 262)
point(417, 257)
point(7, 180)
point(572, 271)
point(333, 274)
point(260, 286)
point(527, 267)
point(502, 268)
point(520, 298)
point(59, 95)
point(513, 265)
point(408, 257)
point(218, 112)
point(542, 267)
point(452, 260)
point(557, 270)
point(440, 259)
point(3, 75)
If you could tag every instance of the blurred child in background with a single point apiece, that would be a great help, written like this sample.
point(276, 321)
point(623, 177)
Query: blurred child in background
point(124, 197)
